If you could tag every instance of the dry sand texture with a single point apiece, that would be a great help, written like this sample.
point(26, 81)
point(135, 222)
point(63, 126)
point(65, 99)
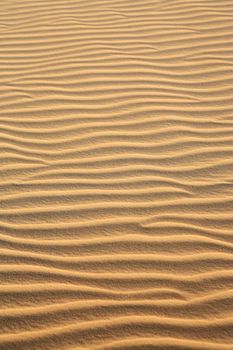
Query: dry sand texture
point(116, 135)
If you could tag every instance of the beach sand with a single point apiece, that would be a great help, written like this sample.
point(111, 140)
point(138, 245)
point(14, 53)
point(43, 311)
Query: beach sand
point(116, 152)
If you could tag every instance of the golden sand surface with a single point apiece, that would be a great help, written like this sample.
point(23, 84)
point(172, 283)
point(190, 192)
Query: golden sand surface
point(116, 153)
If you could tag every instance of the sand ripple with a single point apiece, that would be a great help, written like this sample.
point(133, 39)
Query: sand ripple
point(116, 139)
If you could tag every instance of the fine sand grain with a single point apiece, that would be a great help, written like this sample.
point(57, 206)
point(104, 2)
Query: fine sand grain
point(116, 177)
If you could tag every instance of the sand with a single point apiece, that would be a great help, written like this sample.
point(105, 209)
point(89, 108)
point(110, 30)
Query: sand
point(116, 139)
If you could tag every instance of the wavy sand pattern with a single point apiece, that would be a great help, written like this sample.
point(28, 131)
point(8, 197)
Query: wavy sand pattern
point(116, 184)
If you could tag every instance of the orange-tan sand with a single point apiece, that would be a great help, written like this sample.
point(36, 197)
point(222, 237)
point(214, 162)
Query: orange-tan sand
point(116, 177)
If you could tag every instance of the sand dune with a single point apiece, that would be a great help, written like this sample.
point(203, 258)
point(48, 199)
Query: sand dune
point(116, 186)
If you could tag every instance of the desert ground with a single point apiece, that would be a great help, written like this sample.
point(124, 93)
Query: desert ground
point(116, 176)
